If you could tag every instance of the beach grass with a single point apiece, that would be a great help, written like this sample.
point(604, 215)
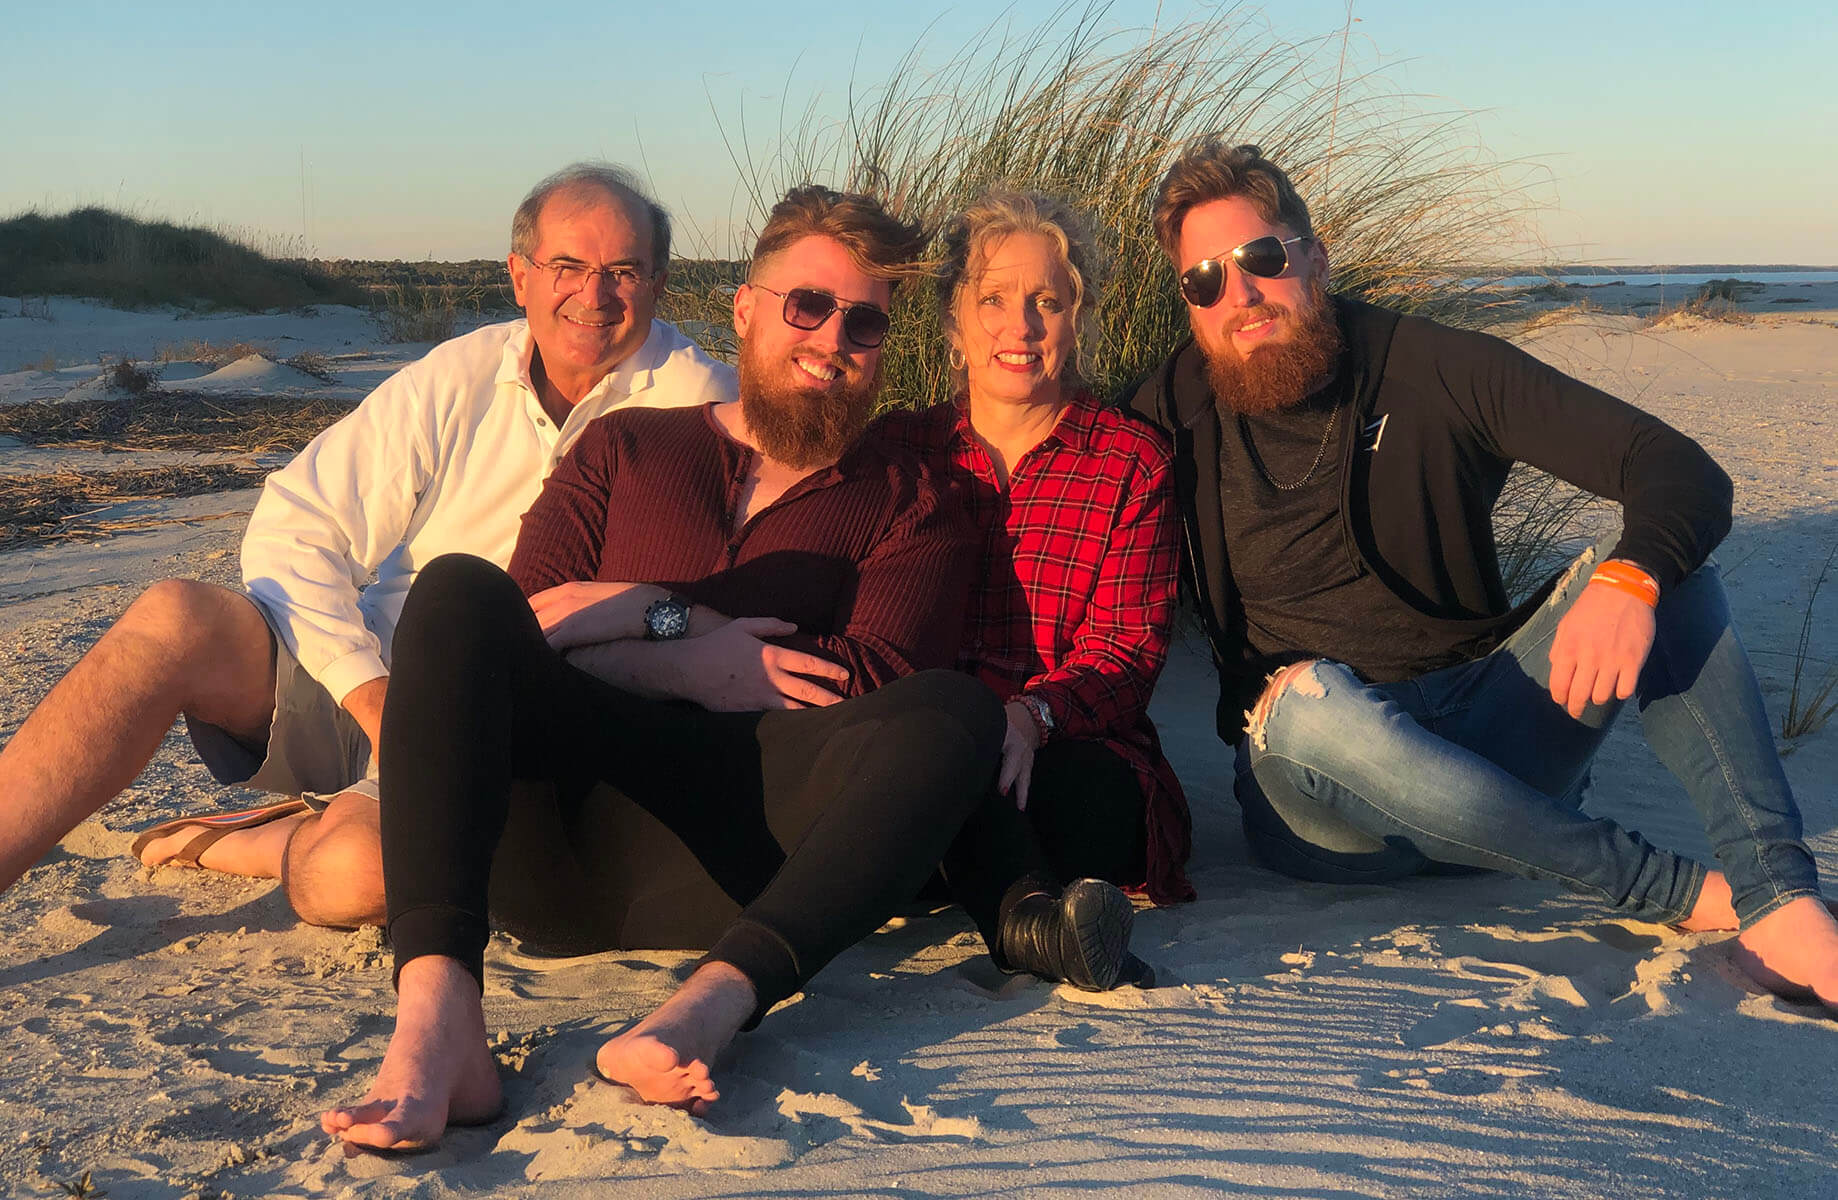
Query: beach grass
point(1812, 693)
point(417, 312)
point(1405, 200)
point(126, 375)
point(1537, 524)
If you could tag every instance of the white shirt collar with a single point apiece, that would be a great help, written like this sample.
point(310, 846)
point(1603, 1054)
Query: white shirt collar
point(632, 375)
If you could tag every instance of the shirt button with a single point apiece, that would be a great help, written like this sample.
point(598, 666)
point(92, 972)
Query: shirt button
point(542, 423)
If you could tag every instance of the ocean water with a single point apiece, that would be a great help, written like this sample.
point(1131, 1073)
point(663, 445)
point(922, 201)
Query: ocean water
point(1684, 280)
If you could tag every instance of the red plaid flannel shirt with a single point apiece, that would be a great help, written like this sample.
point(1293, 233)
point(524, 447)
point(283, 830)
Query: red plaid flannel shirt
point(1077, 592)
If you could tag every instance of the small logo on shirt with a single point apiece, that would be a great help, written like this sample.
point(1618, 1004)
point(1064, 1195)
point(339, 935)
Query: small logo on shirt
point(1374, 433)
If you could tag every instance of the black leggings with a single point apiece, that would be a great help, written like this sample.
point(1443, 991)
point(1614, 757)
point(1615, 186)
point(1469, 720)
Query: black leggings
point(1085, 818)
point(776, 839)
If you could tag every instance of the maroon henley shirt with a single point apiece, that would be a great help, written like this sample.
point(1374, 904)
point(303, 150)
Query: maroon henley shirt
point(865, 557)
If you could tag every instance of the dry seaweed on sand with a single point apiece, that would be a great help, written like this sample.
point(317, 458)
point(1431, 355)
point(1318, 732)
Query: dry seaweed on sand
point(173, 421)
point(53, 506)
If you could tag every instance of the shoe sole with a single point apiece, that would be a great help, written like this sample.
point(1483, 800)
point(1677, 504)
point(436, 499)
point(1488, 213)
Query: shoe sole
point(1097, 919)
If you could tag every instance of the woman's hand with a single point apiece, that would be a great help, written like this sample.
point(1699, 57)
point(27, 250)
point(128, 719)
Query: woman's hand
point(1019, 741)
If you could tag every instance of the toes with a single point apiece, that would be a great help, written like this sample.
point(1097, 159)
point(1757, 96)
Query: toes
point(656, 1072)
point(338, 1120)
point(696, 1079)
point(383, 1135)
point(380, 1125)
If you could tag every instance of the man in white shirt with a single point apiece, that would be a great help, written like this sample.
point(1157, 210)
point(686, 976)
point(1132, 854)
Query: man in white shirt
point(282, 687)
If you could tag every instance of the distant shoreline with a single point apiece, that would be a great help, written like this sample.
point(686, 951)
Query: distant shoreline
point(1682, 269)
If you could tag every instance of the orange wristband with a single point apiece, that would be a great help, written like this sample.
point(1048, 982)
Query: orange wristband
point(1626, 577)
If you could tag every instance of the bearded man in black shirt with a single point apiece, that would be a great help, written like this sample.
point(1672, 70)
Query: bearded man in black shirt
point(1336, 466)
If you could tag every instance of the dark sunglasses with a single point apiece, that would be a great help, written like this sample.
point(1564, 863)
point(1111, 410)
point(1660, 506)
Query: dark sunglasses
point(1265, 257)
point(808, 308)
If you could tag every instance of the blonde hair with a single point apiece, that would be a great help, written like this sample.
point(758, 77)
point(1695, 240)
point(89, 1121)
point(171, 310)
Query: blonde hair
point(996, 215)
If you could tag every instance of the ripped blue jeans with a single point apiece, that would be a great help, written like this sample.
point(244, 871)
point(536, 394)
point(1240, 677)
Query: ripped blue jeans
point(1475, 766)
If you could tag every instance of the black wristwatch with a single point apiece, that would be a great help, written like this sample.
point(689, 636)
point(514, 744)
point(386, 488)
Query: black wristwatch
point(667, 620)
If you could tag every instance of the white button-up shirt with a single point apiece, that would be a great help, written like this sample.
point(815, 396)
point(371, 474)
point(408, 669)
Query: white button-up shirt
point(445, 456)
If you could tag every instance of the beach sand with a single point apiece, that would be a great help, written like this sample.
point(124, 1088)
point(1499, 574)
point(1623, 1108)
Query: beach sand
point(177, 1033)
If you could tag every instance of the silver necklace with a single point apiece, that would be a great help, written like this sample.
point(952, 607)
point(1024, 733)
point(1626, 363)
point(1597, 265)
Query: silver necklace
point(1320, 453)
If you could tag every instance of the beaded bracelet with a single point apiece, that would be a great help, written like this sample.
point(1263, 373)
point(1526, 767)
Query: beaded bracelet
point(1626, 577)
point(1043, 716)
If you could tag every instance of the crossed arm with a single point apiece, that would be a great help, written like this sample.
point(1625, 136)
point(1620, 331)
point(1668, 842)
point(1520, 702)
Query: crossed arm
point(724, 664)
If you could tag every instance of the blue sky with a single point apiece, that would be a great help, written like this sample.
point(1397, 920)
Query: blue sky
point(1679, 132)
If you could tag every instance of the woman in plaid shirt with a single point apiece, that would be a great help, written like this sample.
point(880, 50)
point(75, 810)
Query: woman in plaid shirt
point(1070, 622)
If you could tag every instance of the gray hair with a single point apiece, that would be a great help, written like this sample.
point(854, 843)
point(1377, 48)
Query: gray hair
point(996, 214)
point(607, 177)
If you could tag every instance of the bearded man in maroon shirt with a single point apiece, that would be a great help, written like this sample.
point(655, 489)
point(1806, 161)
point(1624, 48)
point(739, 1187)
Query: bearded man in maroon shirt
point(714, 648)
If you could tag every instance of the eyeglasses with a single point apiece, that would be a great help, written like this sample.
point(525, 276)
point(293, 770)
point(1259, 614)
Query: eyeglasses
point(1265, 257)
point(571, 277)
point(808, 308)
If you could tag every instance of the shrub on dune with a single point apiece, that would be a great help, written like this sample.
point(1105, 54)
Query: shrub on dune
point(125, 260)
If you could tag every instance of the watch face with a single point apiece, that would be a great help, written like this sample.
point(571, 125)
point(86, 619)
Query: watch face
point(1042, 711)
point(667, 619)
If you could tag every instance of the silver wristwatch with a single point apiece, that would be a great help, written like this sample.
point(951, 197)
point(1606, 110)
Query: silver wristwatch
point(1043, 715)
point(667, 620)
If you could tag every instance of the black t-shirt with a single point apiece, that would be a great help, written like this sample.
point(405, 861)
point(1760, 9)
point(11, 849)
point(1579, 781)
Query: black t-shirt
point(1303, 593)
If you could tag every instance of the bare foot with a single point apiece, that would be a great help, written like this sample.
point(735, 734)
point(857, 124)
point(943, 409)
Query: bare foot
point(1713, 910)
point(255, 852)
point(1793, 951)
point(665, 1057)
point(437, 1071)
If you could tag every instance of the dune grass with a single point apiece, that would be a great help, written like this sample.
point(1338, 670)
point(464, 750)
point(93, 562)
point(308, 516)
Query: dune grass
point(1405, 200)
point(1812, 695)
point(412, 312)
point(127, 261)
point(1538, 528)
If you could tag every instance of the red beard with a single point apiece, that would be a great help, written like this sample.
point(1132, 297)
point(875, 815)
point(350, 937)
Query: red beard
point(803, 427)
point(1281, 374)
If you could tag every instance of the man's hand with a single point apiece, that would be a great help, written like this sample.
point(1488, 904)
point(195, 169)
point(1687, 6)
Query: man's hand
point(580, 614)
point(365, 703)
point(733, 670)
point(1599, 648)
point(1019, 741)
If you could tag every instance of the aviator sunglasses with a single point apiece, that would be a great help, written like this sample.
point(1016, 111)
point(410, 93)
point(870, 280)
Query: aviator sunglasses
point(807, 308)
point(1265, 257)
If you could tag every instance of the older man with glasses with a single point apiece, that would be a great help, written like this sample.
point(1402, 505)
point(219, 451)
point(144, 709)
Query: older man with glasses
point(1393, 713)
point(282, 685)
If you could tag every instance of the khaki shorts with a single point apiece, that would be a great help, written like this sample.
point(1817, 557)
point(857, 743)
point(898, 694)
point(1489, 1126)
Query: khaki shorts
point(314, 749)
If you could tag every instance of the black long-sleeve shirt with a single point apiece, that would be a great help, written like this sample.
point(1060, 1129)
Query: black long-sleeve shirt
point(1457, 409)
